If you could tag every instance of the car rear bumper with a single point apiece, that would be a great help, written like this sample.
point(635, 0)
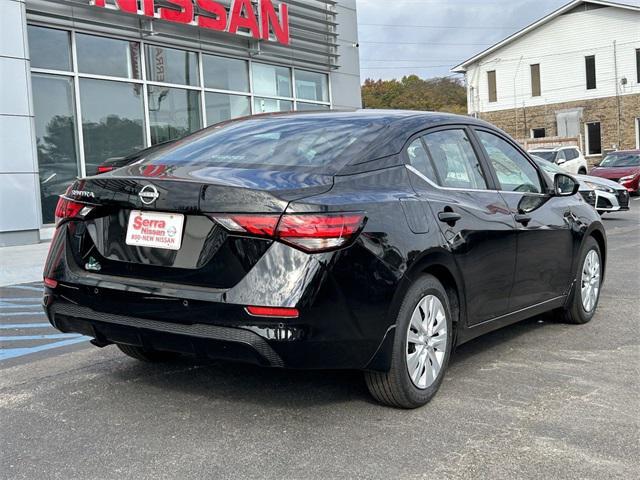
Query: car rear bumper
point(272, 344)
point(343, 315)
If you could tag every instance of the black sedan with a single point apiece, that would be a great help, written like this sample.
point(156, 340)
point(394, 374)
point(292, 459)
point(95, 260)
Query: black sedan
point(372, 240)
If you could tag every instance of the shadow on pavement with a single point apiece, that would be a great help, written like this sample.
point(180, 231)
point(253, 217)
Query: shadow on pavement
point(270, 387)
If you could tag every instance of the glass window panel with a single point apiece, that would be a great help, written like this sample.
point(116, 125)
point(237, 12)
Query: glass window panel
point(312, 86)
point(515, 173)
point(112, 120)
point(173, 113)
point(267, 105)
point(420, 161)
point(55, 138)
point(49, 48)
point(172, 66)
point(108, 56)
point(271, 80)
point(225, 73)
point(311, 106)
point(454, 159)
point(221, 107)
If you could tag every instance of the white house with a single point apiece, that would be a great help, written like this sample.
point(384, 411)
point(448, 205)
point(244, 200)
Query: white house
point(575, 72)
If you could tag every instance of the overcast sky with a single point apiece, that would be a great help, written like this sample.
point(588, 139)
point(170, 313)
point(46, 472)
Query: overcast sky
point(428, 37)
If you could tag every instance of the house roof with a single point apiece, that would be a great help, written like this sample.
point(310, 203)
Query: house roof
point(626, 4)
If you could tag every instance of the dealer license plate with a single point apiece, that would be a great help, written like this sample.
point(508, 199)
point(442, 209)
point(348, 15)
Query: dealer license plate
point(155, 230)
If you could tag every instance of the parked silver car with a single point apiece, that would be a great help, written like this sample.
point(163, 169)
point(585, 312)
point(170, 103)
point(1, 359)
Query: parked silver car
point(602, 194)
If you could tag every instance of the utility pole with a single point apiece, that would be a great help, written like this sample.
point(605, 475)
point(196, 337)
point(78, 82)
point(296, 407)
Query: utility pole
point(615, 70)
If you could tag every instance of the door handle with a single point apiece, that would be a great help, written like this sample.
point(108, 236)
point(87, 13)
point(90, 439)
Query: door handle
point(523, 219)
point(450, 218)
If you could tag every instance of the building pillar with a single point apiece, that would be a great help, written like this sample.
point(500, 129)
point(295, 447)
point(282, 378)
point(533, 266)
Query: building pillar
point(19, 183)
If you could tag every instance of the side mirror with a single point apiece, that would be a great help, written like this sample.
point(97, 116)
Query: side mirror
point(560, 161)
point(565, 185)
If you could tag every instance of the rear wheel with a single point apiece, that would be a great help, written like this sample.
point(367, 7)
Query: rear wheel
point(422, 346)
point(587, 286)
point(582, 171)
point(151, 356)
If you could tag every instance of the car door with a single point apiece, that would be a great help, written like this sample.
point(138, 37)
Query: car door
point(544, 237)
point(571, 163)
point(474, 220)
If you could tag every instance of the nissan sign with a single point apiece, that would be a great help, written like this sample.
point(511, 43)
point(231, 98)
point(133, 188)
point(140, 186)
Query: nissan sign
point(264, 22)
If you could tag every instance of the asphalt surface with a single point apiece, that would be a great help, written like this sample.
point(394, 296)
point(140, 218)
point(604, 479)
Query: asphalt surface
point(535, 400)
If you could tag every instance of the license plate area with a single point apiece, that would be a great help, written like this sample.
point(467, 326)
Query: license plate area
point(155, 230)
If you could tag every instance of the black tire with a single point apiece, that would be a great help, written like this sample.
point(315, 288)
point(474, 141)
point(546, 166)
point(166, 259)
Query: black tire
point(582, 171)
point(395, 387)
point(575, 313)
point(150, 356)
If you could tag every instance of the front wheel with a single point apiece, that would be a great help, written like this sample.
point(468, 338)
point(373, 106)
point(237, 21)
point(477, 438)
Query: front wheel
point(587, 286)
point(421, 349)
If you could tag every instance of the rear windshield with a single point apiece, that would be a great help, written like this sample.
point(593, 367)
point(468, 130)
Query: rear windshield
point(548, 156)
point(621, 160)
point(318, 144)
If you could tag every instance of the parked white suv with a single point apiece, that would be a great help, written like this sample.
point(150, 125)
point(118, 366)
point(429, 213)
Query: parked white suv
point(569, 159)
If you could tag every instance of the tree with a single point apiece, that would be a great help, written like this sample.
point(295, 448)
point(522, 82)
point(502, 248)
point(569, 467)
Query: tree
point(440, 94)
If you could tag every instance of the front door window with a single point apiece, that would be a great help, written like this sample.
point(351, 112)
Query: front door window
point(515, 173)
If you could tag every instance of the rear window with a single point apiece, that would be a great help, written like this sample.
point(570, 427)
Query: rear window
point(548, 156)
point(319, 144)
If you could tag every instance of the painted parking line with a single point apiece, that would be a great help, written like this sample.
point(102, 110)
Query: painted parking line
point(52, 336)
point(26, 287)
point(7, 353)
point(4, 305)
point(7, 326)
point(21, 314)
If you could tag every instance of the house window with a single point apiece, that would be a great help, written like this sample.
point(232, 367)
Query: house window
point(493, 91)
point(536, 90)
point(538, 133)
point(590, 68)
point(594, 141)
point(638, 64)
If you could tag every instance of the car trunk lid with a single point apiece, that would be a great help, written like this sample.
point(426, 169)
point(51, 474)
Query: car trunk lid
point(209, 255)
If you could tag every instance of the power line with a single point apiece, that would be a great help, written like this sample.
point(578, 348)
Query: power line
point(406, 60)
point(447, 27)
point(406, 66)
point(392, 43)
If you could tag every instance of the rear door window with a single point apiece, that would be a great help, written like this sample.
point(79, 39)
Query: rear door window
point(419, 160)
point(515, 173)
point(455, 161)
point(571, 154)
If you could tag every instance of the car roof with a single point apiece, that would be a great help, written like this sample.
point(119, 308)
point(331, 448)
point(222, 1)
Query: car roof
point(553, 149)
point(625, 152)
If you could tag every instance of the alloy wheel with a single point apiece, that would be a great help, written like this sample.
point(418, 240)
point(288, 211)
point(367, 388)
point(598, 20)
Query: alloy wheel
point(590, 284)
point(426, 341)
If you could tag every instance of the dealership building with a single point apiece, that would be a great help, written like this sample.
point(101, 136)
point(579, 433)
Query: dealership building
point(82, 81)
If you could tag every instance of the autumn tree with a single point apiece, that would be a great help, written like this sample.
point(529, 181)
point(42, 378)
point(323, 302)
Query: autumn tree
point(442, 94)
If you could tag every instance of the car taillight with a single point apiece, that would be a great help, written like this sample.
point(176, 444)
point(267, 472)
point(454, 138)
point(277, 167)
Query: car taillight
point(319, 231)
point(310, 232)
point(67, 209)
point(263, 225)
point(104, 169)
point(275, 312)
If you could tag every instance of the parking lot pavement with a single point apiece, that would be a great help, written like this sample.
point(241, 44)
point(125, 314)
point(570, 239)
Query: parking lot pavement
point(24, 329)
point(535, 400)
